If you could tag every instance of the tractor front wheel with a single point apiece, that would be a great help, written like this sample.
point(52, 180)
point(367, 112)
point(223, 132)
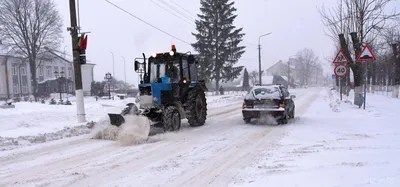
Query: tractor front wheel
point(171, 119)
point(196, 107)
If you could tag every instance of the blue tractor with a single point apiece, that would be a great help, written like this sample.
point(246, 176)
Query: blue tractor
point(169, 91)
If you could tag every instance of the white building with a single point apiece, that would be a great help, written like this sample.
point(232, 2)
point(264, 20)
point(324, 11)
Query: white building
point(15, 76)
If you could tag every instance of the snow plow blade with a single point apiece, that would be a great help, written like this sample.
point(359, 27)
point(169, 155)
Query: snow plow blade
point(116, 119)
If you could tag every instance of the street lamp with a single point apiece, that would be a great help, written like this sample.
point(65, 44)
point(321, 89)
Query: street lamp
point(259, 56)
point(113, 64)
point(124, 72)
point(58, 77)
point(108, 78)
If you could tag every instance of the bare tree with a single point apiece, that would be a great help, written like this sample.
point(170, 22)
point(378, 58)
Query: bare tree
point(306, 65)
point(362, 21)
point(254, 77)
point(27, 26)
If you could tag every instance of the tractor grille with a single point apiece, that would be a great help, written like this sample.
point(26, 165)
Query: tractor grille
point(145, 90)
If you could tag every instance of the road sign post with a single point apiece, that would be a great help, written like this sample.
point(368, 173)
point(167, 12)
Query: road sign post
point(341, 71)
point(366, 55)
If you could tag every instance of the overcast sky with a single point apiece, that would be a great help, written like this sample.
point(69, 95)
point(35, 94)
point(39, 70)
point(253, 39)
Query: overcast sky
point(294, 25)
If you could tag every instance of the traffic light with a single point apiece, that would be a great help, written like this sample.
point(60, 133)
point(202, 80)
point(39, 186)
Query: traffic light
point(82, 56)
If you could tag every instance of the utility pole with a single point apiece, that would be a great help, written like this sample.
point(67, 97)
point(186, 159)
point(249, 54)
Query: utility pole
point(259, 57)
point(288, 72)
point(80, 106)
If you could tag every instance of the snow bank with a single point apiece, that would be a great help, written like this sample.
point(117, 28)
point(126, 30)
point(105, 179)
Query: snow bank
point(334, 144)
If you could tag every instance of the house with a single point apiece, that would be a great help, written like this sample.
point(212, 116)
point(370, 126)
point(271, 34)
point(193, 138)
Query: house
point(285, 71)
point(15, 76)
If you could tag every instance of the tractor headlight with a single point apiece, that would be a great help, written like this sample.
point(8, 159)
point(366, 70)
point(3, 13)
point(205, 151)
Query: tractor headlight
point(155, 99)
point(171, 53)
point(154, 55)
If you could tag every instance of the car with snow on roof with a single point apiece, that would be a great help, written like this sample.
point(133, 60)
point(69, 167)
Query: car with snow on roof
point(273, 100)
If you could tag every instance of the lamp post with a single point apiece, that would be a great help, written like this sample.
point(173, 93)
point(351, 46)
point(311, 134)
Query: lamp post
point(113, 64)
point(108, 78)
point(259, 56)
point(124, 73)
point(59, 75)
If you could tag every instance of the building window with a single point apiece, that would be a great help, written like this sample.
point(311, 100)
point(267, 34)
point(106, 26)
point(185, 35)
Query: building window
point(41, 73)
point(56, 69)
point(23, 70)
point(70, 73)
point(24, 89)
point(24, 81)
point(14, 69)
point(49, 73)
point(63, 70)
point(15, 89)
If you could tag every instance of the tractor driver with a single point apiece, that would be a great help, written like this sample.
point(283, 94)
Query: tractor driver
point(173, 73)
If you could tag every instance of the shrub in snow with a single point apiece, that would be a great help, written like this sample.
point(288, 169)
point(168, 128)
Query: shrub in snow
point(68, 102)
point(53, 102)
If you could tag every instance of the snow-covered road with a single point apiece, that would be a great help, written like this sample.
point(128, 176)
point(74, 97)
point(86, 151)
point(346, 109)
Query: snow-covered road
point(211, 155)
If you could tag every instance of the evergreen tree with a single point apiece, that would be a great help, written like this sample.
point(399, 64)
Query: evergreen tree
point(246, 80)
point(218, 41)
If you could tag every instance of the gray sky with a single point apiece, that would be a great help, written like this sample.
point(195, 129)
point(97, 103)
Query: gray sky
point(294, 25)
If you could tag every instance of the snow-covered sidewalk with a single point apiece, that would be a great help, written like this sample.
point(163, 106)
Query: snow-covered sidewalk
point(334, 144)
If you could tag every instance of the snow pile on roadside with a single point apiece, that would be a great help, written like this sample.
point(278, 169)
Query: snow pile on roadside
point(334, 103)
point(9, 143)
point(344, 147)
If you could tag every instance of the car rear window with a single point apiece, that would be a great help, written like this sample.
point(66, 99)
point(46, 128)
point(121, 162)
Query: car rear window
point(266, 91)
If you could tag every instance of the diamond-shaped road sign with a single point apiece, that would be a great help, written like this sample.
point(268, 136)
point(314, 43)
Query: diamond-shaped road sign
point(341, 58)
point(366, 55)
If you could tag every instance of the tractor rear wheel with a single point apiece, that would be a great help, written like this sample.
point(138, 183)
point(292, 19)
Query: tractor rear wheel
point(196, 107)
point(171, 119)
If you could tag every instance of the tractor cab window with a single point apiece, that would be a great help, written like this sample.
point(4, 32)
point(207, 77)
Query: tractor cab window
point(193, 72)
point(161, 69)
point(185, 67)
point(189, 68)
point(157, 71)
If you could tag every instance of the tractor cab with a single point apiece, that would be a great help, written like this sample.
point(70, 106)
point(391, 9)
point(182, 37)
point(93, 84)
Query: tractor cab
point(166, 76)
point(168, 67)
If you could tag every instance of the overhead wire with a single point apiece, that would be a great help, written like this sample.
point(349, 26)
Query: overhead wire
point(151, 25)
point(192, 23)
point(176, 10)
point(182, 8)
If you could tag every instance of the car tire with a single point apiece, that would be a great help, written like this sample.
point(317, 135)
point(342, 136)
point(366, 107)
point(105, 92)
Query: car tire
point(292, 113)
point(247, 120)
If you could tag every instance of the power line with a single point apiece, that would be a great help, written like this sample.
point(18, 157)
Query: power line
point(147, 23)
point(171, 12)
point(182, 8)
point(176, 10)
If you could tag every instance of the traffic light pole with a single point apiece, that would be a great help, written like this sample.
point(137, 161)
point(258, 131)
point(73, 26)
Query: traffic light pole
point(77, 65)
